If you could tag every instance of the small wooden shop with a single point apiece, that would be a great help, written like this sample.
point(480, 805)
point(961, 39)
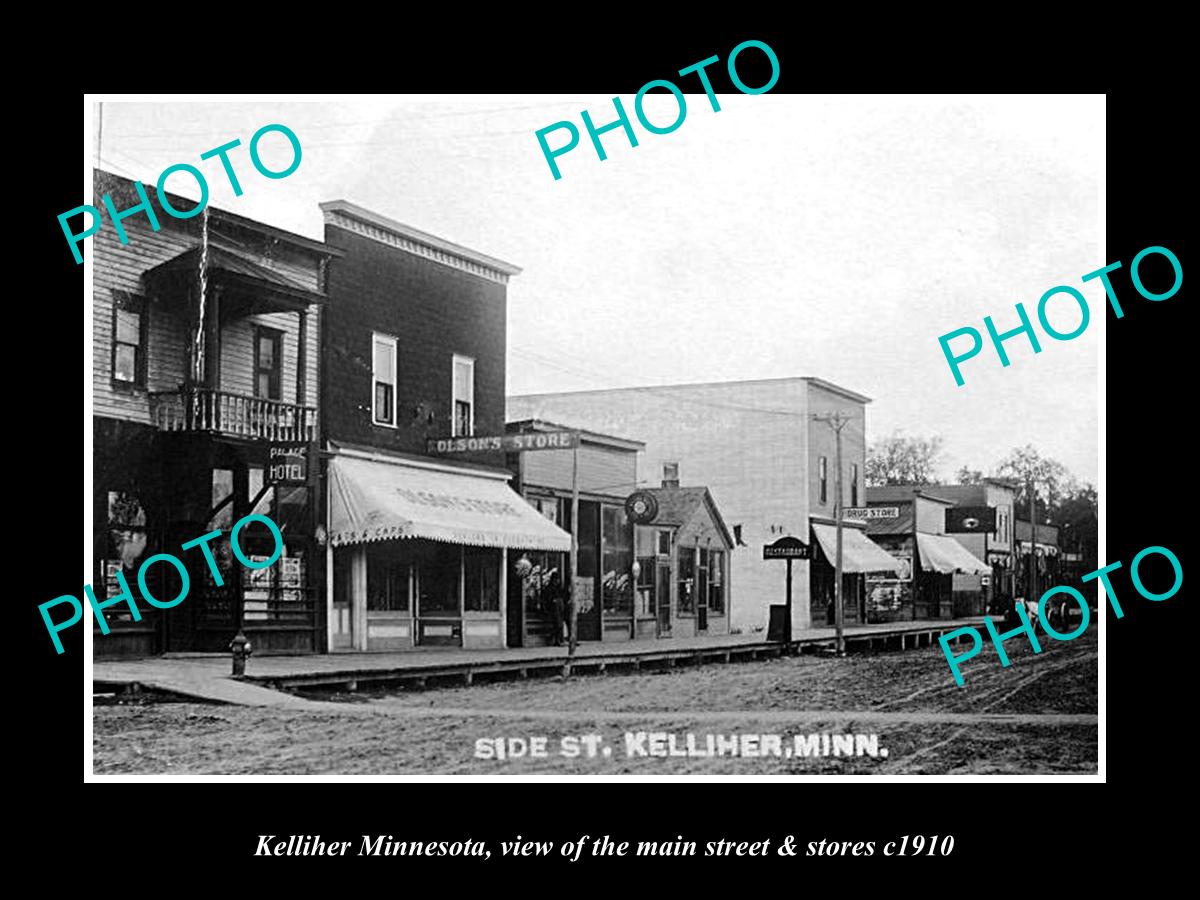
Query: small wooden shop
point(663, 577)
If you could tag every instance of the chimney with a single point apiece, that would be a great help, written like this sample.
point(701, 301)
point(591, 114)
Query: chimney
point(670, 475)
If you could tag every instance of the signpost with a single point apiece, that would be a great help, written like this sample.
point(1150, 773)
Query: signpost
point(641, 507)
point(789, 548)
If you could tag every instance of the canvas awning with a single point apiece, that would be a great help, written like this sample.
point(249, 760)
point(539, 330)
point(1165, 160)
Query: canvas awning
point(378, 500)
point(940, 553)
point(859, 552)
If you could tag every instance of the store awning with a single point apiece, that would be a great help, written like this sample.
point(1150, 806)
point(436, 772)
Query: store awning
point(859, 552)
point(940, 553)
point(375, 500)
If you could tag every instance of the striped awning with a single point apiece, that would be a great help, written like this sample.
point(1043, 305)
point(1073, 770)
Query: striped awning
point(380, 500)
point(859, 552)
point(940, 553)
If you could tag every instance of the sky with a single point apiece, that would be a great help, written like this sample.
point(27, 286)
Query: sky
point(785, 235)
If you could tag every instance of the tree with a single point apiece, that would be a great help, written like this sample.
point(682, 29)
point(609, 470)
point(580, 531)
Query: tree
point(969, 476)
point(903, 460)
point(1078, 518)
point(1051, 480)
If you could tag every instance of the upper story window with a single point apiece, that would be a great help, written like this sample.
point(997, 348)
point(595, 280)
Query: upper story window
point(464, 396)
point(383, 379)
point(268, 362)
point(129, 339)
point(854, 484)
point(670, 473)
point(823, 478)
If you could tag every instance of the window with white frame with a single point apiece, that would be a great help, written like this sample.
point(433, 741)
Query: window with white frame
point(383, 378)
point(464, 396)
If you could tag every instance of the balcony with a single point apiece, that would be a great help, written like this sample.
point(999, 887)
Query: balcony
point(201, 409)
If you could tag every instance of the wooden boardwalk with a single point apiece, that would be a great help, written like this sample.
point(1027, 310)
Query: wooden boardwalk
point(208, 678)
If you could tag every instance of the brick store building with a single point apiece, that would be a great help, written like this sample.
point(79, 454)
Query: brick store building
point(419, 546)
point(205, 364)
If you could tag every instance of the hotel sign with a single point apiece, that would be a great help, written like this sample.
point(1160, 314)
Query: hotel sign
point(287, 464)
point(508, 443)
point(866, 513)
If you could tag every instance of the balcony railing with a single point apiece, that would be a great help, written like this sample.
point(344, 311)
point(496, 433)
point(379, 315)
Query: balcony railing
point(205, 409)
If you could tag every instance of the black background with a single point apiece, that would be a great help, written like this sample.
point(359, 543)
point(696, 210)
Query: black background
point(209, 831)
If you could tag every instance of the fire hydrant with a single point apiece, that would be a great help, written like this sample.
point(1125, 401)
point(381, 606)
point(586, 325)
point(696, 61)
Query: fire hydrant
point(241, 648)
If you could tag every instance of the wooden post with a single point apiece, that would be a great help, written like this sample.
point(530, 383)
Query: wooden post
point(574, 612)
point(302, 363)
point(837, 514)
point(358, 597)
point(1032, 592)
point(503, 596)
point(787, 619)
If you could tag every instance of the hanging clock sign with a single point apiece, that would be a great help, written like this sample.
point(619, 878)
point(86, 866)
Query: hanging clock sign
point(641, 507)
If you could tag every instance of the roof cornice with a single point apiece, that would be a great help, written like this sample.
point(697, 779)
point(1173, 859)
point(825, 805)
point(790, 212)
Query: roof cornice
point(351, 217)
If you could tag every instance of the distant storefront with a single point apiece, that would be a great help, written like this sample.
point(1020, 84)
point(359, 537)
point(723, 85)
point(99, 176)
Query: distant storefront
point(910, 525)
point(862, 559)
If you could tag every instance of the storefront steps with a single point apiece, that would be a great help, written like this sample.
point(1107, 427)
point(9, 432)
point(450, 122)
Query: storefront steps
point(268, 679)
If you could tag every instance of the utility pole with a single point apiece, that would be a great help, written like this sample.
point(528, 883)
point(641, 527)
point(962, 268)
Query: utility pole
point(573, 612)
point(1033, 594)
point(837, 422)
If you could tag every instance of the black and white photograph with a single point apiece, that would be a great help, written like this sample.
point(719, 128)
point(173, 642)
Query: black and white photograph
point(709, 432)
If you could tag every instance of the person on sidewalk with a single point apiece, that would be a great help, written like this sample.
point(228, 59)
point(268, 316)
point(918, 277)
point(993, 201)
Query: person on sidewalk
point(555, 593)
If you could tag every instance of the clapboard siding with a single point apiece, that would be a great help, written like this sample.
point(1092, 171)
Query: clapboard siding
point(120, 267)
point(602, 470)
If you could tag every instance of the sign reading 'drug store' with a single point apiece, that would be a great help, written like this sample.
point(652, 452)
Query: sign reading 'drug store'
point(511, 443)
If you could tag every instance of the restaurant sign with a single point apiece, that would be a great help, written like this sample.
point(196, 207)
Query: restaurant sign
point(787, 547)
point(287, 464)
point(509, 443)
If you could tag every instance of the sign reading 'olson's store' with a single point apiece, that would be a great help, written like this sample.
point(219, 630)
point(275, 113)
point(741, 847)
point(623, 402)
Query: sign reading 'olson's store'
point(511, 443)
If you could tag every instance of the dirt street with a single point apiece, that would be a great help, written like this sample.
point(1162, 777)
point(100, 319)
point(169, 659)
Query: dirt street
point(1037, 716)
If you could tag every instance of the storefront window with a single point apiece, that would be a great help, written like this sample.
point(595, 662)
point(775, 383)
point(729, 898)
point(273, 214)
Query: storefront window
point(716, 583)
point(387, 577)
point(702, 578)
point(617, 561)
point(483, 579)
point(589, 514)
point(687, 577)
point(542, 583)
point(126, 547)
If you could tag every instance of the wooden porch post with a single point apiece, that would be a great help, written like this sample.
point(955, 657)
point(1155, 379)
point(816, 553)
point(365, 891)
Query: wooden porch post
point(358, 597)
point(503, 596)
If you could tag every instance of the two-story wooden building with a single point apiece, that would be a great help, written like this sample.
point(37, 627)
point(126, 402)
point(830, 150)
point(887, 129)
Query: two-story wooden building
point(419, 549)
point(204, 372)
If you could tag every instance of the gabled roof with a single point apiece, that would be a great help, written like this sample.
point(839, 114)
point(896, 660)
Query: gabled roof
point(677, 506)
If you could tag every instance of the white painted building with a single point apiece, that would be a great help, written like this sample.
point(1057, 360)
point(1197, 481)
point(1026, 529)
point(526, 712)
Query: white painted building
point(769, 466)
